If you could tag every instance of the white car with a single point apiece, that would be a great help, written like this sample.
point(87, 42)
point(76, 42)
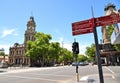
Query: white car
point(83, 63)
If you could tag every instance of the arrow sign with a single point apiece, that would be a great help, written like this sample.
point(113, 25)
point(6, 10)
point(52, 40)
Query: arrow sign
point(82, 27)
point(82, 31)
point(87, 26)
point(107, 20)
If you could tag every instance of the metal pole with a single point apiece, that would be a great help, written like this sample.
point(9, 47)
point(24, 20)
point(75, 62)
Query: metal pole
point(97, 49)
point(98, 57)
point(77, 75)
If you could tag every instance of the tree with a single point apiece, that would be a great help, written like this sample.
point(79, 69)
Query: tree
point(2, 53)
point(90, 52)
point(110, 31)
point(38, 50)
point(82, 58)
point(42, 52)
point(67, 56)
point(54, 50)
point(117, 47)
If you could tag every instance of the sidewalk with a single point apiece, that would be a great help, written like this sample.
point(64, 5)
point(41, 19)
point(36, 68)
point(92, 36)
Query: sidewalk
point(19, 69)
point(108, 78)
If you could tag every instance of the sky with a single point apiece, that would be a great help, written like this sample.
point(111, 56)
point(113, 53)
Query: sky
point(52, 17)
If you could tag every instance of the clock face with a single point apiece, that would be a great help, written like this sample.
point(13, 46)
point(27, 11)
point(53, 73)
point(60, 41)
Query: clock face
point(31, 28)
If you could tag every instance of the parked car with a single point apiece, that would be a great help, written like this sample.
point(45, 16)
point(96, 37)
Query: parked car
point(80, 63)
point(83, 63)
point(56, 65)
point(75, 63)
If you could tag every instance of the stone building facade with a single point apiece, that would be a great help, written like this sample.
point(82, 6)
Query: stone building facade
point(109, 55)
point(17, 51)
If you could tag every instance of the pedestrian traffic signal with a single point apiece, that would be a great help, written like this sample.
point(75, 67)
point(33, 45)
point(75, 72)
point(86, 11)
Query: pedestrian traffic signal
point(75, 47)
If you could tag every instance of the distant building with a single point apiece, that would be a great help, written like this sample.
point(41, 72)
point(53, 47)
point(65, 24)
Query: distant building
point(17, 51)
point(109, 55)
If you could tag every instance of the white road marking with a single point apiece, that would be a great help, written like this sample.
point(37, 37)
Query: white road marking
point(47, 75)
point(109, 70)
point(95, 77)
point(32, 78)
point(85, 78)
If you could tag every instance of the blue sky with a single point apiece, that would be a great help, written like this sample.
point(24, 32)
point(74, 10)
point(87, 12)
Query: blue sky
point(52, 17)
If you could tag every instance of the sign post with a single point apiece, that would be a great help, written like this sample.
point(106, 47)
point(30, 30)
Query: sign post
point(98, 55)
point(89, 26)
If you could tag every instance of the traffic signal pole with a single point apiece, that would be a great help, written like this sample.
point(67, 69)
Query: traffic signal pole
point(75, 49)
point(77, 74)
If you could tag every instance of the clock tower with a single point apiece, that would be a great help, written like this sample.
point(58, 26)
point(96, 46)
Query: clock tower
point(30, 32)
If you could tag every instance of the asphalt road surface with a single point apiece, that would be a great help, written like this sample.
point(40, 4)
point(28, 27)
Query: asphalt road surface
point(62, 74)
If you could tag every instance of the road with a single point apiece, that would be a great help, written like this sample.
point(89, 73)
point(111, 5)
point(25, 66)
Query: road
point(63, 74)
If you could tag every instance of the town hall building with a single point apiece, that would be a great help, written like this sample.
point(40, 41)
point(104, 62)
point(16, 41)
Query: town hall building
point(17, 51)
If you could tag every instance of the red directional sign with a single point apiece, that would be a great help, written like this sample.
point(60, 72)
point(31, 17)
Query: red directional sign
point(87, 26)
point(82, 31)
point(107, 20)
point(82, 27)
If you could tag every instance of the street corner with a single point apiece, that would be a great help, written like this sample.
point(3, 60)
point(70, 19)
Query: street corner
point(95, 78)
point(90, 79)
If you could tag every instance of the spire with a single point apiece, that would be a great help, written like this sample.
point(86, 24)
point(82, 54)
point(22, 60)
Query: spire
point(109, 6)
point(31, 22)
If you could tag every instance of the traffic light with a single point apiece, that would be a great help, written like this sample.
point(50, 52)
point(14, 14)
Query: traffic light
point(75, 47)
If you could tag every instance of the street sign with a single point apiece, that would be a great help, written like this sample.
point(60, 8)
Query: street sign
point(82, 31)
point(107, 20)
point(82, 27)
point(87, 26)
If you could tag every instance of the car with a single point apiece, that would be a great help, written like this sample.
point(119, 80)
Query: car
point(83, 63)
point(75, 63)
point(55, 65)
point(80, 63)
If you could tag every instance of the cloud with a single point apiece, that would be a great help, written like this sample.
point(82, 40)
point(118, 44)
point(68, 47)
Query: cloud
point(82, 47)
point(7, 32)
point(58, 32)
point(68, 45)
